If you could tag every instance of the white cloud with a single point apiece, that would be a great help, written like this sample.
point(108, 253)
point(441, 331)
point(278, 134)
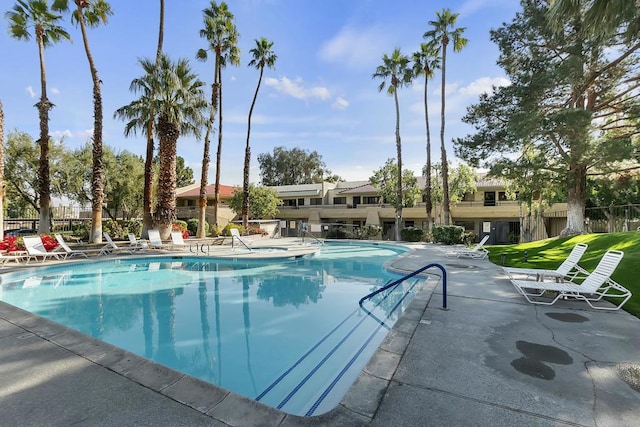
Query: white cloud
point(340, 103)
point(355, 47)
point(60, 134)
point(82, 135)
point(296, 88)
point(484, 85)
point(31, 92)
point(55, 91)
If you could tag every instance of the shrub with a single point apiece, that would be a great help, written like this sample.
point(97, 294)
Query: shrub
point(114, 228)
point(133, 226)
point(192, 226)
point(254, 229)
point(448, 234)
point(216, 230)
point(412, 234)
point(226, 232)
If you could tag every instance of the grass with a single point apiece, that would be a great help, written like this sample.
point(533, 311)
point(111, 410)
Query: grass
point(550, 253)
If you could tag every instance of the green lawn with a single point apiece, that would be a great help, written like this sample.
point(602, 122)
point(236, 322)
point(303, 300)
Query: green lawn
point(550, 253)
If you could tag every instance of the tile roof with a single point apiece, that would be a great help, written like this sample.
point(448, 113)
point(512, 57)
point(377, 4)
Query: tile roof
point(193, 190)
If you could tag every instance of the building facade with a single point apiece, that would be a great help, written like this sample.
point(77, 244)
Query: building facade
point(327, 207)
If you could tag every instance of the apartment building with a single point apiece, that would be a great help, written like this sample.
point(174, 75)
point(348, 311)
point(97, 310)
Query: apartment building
point(325, 207)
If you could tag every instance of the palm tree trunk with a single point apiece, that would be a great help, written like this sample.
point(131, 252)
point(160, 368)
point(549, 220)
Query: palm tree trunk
point(43, 106)
point(399, 150)
point(97, 174)
point(427, 190)
point(247, 159)
point(165, 213)
point(443, 149)
point(147, 202)
point(216, 197)
point(1, 172)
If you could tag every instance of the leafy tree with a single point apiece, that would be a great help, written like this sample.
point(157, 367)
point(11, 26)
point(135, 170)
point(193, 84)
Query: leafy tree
point(92, 13)
point(425, 62)
point(263, 204)
point(443, 33)
point(22, 169)
point(293, 167)
point(184, 174)
point(614, 190)
point(385, 180)
point(574, 97)
point(263, 56)
point(222, 36)
point(462, 181)
point(27, 16)
point(396, 70)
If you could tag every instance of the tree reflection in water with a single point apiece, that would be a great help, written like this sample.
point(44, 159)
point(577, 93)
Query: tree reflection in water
point(290, 289)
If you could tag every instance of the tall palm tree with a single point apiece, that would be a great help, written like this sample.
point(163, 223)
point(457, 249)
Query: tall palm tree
point(1, 171)
point(92, 13)
point(27, 16)
point(426, 61)
point(222, 36)
point(147, 209)
point(263, 56)
point(174, 93)
point(443, 33)
point(395, 68)
point(600, 16)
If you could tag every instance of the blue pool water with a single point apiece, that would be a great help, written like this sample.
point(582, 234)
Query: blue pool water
point(288, 333)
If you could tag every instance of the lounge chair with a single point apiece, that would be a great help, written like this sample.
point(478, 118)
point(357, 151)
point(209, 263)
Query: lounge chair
point(137, 244)
point(64, 247)
point(177, 240)
point(568, 269)
point(596, 285)
point(13, 256)
point(477, 252)
point(35, 250)
point(112, 248)
point(154, 239)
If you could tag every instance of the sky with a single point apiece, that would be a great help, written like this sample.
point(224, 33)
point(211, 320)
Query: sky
point(320, 97)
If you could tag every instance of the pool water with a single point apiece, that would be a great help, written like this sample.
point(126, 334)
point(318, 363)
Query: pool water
point(288, 333)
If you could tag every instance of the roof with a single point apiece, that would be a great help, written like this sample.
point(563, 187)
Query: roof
point(360, 189)
point(193, 190)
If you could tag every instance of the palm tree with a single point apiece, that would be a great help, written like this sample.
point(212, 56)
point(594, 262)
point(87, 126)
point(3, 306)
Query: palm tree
point(262, 56)
point(600, 16)
point(396, 69)
point(147, 208)
point(425, 61)
point(222, 36)
point(24, 16)
point(92, 13)
point(443, 33)
point(175, 94)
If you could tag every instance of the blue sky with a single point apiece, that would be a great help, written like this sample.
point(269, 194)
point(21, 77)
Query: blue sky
point(321, 95)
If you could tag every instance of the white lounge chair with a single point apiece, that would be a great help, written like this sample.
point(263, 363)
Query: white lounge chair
point(568, 269)
point(35, 250)
point(596, 285)
point(64, 247)
point(13, 256)
point(177, 240)
point(137, 244)
point(154, 239)
point(112, 248)
point(477, 252)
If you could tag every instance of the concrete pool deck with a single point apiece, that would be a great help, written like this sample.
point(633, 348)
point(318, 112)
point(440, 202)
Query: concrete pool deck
point(491, 358)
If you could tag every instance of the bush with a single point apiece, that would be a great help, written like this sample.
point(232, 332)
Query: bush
point(226, 232)
point(448, 234)
point(114, 228)
point(412, 234)
point(254, 229)
point(132, 226)
point(181, 226)
point(192, 226)
point(216, 230)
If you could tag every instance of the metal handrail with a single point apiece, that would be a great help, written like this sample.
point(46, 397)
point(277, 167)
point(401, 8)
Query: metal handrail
point(408, 276)
point(233, 238)
point(311, 235)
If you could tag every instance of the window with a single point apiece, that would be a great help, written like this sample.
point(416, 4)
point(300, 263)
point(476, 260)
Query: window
point(289, 202)
point(502, 196)
point(300, 202)
point(468, 197)
point(489, 198)
point(339, 200)
point(316, 201)
point(372, 200)
point(356, 200)
point(409, 223)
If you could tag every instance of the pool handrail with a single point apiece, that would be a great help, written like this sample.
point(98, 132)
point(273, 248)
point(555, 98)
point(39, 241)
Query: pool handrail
point(312, 236)
point(408, 276)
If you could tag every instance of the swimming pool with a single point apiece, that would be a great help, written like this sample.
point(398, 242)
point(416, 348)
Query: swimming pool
point(288, 333)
